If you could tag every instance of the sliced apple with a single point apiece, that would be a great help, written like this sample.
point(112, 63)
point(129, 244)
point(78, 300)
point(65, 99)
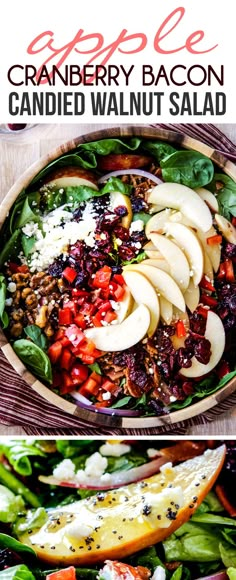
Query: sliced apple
point(207, 266)
point(162, 282)
point(209, 198)
point(216, 335)
point(226, 228)
point(121, 336)
point(166, 309)
point(124, 306)
point(154, 208)
point(192, 296)
point(157, 222)
point(119, 199)
point(189, 243)
point(157, 263)
point(71, 176)
point(151, 251)
point(176, 259)
point(82, 533)
point(144, 293)
point(213, 251)
point(180, 197)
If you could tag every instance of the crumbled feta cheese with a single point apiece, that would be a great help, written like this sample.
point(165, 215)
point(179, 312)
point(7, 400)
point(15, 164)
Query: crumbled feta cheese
point(78, 530)
point(136, 226)
point(118, 242)
point(95, 465)
point(173, 399)
point(8, 301)
point(106, 396)
point(65, 471)
point(159, 574)
point(151, 452)
point(114, 449)
point(167, 468)
point(11, 287)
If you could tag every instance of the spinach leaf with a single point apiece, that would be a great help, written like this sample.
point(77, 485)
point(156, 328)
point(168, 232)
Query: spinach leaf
point(228, 554)
point(20, 572)
point(213, 520)
point(95, 368)
point(17, 452)
point(80, 193)
point(210, 504)
point(10, 505)
point(34, 358)
point(27, 215)
point(27, 244)
point(54, 199)
point(226, 196)
point(9, 542)
point(73, 447)
point(11, 248)
point(3, 290)
point(85, 155)
point(37, 336)
point(121, 403)
point(147, 558)
point(231, 573)
point(204, 388)
point(145, 217)
point(31, 520)
point(139, 258)
point(115, 184)
point(187, 167)
point(158, 149)
point(203, 547)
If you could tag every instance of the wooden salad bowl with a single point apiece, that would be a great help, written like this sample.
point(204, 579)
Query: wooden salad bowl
point(101, 418)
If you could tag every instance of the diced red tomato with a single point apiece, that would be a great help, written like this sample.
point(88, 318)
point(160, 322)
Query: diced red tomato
point(65, 574)
point(87, 358)
point(23, 268)
point(229, 271)
point(88, 309)
point(102, 277)
point(65, 316)
point(87, 347)
point(116, 291)
point(75, 335)
point(76, 293)
point(110, 316)
point(79, 373)
point(72, 305)
point(97, 319)
point(180, 329)
point(202, 311)
point(206, 284)
point(59, 334)
point(80, 321)
point(103, 404)
point(13, 267)
point(119, 279)
point(89, 387)
point(212, 240)
point(221, 273)
point(96, 377)
point(65, 342)
point(67, 383)
point(69, 274)
point(209, 300)
point(104, 306)
point(66, 359)
point(109, 386)
point(54, 352)
point(117, 570)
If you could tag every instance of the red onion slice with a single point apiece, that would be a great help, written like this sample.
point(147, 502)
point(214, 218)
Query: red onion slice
point(140, 172)
point(117, 479)
point(83, 402)
point(217, 576)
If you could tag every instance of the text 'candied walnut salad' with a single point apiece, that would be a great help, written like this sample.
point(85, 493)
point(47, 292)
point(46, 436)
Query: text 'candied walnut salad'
point(118, 285)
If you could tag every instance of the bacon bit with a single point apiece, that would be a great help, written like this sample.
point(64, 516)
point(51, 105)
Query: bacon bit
point(180, 329)
point(209, 300)
point(221, 273)
point(212, 240)
point(202, 311)
point(229, 271)
point(206, 284)
point(222, 496)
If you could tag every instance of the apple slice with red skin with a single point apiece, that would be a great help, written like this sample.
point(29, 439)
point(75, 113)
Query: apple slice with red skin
point(71, 176)
point(114, 161)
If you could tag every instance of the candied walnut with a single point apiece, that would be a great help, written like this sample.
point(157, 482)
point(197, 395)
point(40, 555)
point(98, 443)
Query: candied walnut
point(31, 301)
point(16, 298)
point(21, 279)
point(48, 330)
point(41, 318)
point(47, 287)
point(25, 292)
point(16, 329)
point(36, 279)
point(17, 315)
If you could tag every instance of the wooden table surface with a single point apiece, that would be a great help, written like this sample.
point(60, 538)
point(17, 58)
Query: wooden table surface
point(17, 152)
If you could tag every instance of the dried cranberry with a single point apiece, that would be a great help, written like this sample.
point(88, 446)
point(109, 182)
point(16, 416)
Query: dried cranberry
point(56, 269)
point(80, 279)
point(121, 210)
point(202, 350)
point(183, 358)
point(187, 387)
point(126, 253)
point(122, 233)
point(138, 204)
point(197, 323)
point(230, 250)
point(157, 407)
point(9, 559)
point(232, 304)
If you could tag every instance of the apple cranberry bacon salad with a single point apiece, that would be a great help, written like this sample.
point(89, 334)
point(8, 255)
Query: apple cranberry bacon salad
point(116, 510)
point(118, 284)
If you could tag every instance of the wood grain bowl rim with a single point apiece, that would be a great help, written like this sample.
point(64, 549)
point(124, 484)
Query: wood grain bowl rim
point(86, 415)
